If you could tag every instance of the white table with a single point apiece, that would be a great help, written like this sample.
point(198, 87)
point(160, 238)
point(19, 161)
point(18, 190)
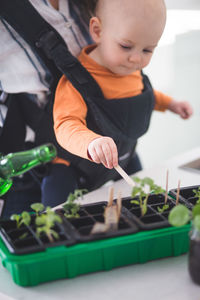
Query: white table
point(165, 279)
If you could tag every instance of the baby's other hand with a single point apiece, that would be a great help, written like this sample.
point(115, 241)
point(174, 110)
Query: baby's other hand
point(104, 150)
point(182, 108)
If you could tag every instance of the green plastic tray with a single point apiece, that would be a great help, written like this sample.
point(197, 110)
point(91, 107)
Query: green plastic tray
point(68, 262)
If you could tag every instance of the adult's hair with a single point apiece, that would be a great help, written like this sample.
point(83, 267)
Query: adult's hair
point(87, 8)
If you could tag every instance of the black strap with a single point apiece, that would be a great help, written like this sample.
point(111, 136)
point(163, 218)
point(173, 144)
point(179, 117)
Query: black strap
point(48, 44)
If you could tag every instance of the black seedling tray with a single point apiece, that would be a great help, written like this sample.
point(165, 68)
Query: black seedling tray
point(186, 195)
point(153, 218)
point(24, 239)
point(89, 215)
point(76, 230)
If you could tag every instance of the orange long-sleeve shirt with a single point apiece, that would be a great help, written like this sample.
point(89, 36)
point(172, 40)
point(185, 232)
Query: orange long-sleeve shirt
point(70, 110)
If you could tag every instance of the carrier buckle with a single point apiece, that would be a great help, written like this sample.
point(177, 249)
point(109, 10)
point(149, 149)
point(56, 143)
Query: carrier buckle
point(54, 47)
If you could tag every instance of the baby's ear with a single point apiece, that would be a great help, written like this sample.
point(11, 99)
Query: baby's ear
point(95, 29)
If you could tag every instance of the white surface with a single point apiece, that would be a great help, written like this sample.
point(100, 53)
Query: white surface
point(164, 279)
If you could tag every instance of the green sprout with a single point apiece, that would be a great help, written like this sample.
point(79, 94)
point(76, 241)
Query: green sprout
point(24, 218)
point(144, 187)
point(181, 215)
point(37, 207)
point(45, 223)
point(16, 218)
point(163, 208)
point(71, 207)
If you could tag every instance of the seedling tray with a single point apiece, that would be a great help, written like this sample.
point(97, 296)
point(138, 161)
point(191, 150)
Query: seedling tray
point(68, 262)
point(153, 218)
point(16, 242)
point(186, 195)
point(89, 215)
point(78, 252)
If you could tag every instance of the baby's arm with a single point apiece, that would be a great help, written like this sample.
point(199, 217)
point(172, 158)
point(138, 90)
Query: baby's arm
point(182, 108)
point(164, 102)
point(71, 129)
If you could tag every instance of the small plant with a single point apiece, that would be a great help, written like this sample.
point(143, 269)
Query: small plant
point(37, 207)
point(45, 223)
point(24, 218)
point(181, 215)
point(144, 187)
point(163, 208)
point(70, 207)
point(197, 195)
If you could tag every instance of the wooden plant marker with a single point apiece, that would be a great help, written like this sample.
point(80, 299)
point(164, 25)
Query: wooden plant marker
point(111, 216)
point(178, 192)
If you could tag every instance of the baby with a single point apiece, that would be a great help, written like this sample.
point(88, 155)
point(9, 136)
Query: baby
point(126, 33)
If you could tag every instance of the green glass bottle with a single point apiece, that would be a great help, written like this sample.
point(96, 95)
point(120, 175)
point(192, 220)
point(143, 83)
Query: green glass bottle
point(15, 164)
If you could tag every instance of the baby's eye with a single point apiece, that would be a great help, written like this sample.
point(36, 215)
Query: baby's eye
point(147, 51)
point(125, 47)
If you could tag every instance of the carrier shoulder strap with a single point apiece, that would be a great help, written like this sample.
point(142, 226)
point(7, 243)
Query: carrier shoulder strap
point(48, 44)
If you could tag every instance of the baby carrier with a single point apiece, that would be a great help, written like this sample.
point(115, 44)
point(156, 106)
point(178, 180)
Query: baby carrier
point(123, 120)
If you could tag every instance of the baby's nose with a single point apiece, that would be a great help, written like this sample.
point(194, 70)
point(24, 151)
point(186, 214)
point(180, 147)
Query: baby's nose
point(135, 57)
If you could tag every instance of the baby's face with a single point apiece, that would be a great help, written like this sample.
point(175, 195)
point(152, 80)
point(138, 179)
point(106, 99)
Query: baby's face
point(128, 38)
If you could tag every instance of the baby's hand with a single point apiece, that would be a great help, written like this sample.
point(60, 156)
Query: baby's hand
point(182, 108)
point(104, 150)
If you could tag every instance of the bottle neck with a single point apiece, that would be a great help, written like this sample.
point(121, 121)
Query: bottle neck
point(15, 164)
point(5, 185)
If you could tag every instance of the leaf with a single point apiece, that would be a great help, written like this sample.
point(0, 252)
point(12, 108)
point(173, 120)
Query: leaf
point(148, 181)
point(15, 217)
point(162, 209)
point(40, 220)
point(79, 193)
point(196, 222)
point(135, 202)
point(37, 207)
point(71, 198)
point(196, 210)
point(136, 190)
point(157, 190)
point(26, 218)
point(136, 179)
point(23, 236)
point(179, 215)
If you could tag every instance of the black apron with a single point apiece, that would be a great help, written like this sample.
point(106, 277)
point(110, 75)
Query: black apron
point(124, 120)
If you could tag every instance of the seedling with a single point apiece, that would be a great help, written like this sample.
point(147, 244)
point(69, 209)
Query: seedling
point(165, 206)
point(144, 187)
point(37, 207)
point(45, 223)
point(24, 218)
point(181, 215)
point(197, 195)
point(71, 207)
